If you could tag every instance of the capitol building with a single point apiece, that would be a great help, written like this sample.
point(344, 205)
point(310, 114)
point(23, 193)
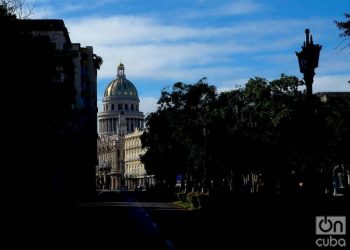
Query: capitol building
point(119, 146)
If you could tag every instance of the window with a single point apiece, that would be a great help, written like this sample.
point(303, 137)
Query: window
point(107, 107)
point(137, 107)
point(126, 107)
point(132, 106)
point(120, 106)
point(112, 106)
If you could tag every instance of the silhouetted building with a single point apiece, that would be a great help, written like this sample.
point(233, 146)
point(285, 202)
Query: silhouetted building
point(66, 158)
point(120, 116)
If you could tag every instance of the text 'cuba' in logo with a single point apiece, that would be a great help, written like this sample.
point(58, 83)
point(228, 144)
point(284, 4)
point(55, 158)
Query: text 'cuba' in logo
point(330, 225)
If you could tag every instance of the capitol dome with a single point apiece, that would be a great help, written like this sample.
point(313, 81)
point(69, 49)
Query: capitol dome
point(120, 114)
point(121, 87)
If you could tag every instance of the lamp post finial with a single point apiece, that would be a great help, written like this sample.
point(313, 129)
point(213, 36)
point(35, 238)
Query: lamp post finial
point(307, 32)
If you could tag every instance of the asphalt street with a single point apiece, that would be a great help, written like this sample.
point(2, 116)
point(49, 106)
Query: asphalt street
point(124, 221)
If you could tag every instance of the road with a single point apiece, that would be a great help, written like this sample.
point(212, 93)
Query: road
point(121, 221)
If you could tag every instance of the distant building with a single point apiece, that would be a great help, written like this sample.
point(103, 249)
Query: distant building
point(120, 113)
point(109, 172)
point(326, 96)
point(120, 117)
point(135, 173)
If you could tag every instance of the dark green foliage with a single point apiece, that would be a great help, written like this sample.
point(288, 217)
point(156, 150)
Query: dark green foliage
point(270, 128)
point(344, 27)
point(97, 61)
point(181, 119)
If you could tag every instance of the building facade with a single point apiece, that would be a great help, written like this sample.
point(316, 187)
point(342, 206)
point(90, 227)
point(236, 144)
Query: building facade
point(120, 116)
point(65, 162)
point(135, 173)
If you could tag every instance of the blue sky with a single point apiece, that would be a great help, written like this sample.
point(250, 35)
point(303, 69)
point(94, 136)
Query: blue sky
point(161, 42)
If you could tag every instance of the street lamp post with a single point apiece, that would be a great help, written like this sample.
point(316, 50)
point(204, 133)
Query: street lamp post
point(308, 60)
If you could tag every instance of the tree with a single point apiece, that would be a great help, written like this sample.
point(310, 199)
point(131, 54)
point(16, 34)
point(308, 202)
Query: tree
point(270, 129)
point(344, 27)
point(18, 8)
point(97, 61)
point(176, 132)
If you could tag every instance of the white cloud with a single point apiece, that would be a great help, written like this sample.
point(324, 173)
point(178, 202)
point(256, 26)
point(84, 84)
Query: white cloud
point(42, 13)
point(160, 51)
point(326, 83)
point(129, 30)
point(165, 61)
point(148, 104)
point(136, 30)
point(84, 5)
point(331, 62)
point(239, 8)
point(155, 49)
point(277, 58)
point(232, 84)
point(330, 83)
point(235, 8)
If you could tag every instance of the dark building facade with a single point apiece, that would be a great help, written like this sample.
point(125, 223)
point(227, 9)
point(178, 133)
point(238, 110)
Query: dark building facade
point(54, 110)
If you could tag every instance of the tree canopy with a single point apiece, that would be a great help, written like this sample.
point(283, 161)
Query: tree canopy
point(344, 27)
point(268, 128)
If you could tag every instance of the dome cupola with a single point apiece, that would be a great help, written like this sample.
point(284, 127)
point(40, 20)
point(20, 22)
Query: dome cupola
point(121, 88)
